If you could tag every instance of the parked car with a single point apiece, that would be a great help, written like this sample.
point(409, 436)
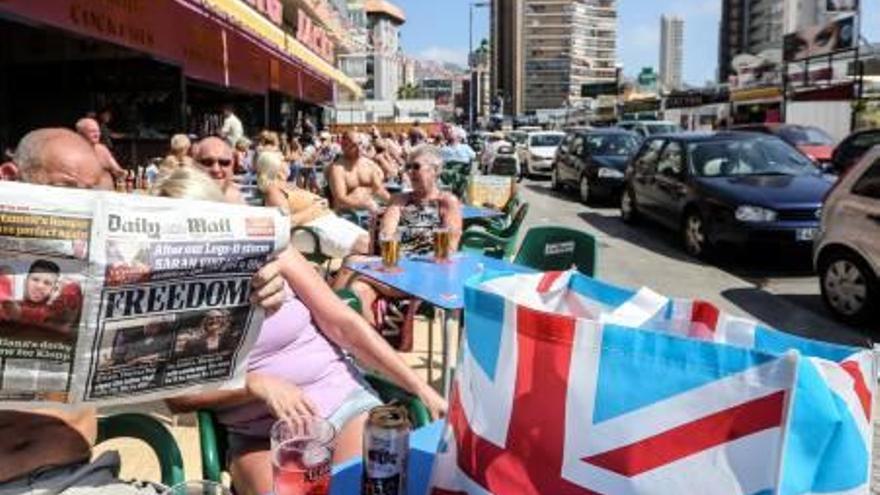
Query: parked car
point(646, 128)
point(810, 140)
point(847, 252)
point(536, 155)
point(851, 149)
point(594, 163)
point(731, 187)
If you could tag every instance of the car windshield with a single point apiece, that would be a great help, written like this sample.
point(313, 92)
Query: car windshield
point(661, 128)
point(539, 140)
point(810, 136)
point(743, 157)
point(517, 137)
point(612, 144)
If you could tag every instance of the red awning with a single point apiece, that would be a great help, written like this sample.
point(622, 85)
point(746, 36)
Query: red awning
point(182, 33)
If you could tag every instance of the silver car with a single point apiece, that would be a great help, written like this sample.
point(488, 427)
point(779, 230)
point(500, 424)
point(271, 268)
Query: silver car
point(847, 251)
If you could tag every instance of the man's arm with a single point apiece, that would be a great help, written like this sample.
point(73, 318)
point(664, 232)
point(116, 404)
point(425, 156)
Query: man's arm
point(378, 185)
point(342, 198)
point(110, 163)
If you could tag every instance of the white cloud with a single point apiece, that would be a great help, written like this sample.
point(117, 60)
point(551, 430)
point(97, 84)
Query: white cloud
point(444, 54)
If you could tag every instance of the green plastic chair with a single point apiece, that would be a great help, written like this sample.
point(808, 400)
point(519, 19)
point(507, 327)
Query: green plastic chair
point(486, 237)
point(151, 431)
point(462, 168)
point(558, 248)
point(213, 435)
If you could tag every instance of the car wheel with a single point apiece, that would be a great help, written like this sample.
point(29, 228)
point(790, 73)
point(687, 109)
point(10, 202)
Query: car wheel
point(554, 180)
point(584, 190)
point(696, 241)
point(628, 211)
point(849, 288)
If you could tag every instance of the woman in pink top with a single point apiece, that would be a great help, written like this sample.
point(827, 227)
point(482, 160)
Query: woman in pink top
point(297, 367)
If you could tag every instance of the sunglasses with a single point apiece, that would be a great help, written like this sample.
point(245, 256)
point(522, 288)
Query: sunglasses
point(209, 162)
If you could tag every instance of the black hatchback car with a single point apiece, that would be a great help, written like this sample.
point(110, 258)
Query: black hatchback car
point(593, 162)
point(733, 187)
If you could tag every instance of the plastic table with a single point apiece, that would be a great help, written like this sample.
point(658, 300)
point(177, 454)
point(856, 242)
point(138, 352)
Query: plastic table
point(469, 212)
point(438, 284)
point(423, 445)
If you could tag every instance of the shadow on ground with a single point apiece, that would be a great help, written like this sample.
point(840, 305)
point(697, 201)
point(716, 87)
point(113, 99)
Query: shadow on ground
point(800, 314)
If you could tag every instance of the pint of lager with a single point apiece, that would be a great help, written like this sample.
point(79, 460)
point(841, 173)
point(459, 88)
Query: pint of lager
point(389, 247)
point(441, 244)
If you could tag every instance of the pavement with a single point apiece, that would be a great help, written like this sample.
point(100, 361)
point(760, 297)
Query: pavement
point(777, 288)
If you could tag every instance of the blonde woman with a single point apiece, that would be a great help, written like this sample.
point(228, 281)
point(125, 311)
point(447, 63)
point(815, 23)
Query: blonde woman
point(179, 155)
point(297, 367)
point(339, 237)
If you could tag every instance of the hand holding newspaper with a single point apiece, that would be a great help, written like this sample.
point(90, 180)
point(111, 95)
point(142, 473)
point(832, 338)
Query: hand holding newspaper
point(108, 298)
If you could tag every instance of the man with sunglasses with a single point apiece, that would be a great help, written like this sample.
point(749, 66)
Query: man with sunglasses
point(48, 451)
point(215, 157)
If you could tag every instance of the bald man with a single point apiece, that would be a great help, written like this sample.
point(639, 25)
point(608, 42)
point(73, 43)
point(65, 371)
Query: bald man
point(48, 451)
point(91, 130)
point(215, 157)
point(355, 181)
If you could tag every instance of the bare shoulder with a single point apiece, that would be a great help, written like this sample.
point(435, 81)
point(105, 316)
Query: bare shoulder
point(449, 200)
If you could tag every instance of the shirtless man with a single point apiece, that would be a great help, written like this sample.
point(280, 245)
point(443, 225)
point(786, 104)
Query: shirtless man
point(355, 181)
point(215, 157)
point(48, 450)
point(91, 130)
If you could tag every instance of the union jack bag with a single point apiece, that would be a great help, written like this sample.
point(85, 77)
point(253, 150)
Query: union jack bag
point(568, 385)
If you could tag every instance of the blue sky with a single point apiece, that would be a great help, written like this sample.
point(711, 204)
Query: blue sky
point(438, 30)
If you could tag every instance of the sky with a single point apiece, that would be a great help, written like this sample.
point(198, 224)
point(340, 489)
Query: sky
point(438, 30)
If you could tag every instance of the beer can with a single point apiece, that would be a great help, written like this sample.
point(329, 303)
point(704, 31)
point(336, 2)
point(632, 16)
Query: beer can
point(386, 451)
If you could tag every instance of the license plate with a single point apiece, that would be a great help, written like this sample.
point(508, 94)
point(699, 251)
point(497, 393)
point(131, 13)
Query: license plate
point(806, 235)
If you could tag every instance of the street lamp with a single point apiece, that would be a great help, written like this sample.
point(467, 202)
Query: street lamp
point(473, 5)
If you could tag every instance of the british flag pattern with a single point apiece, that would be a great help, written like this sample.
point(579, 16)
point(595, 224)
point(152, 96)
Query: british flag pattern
point(568, 385)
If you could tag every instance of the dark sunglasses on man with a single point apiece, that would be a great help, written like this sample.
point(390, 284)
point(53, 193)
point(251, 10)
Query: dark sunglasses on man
point(209, 162)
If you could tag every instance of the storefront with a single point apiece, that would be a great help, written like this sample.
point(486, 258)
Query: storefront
point(697, 110)
point(162, 66)
point(756, 105)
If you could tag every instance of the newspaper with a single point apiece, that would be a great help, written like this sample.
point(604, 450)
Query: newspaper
point(109, 298)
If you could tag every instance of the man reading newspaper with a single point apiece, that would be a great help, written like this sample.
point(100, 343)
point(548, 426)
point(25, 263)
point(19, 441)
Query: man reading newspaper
point(48, 451)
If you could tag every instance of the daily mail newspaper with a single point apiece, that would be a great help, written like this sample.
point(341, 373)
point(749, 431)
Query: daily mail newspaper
point(111, 298)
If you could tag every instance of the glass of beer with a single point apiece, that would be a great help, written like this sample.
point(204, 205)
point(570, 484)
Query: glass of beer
point(302, 455)
point(441, 245)
point(389, 247)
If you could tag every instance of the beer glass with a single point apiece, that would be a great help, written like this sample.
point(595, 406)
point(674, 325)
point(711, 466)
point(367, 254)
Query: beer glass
point(441, 245)
point(389, 247)
point(302, 455)
point(197, 488)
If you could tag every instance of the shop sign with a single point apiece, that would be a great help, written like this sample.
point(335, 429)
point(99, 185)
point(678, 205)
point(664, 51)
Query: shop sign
point(273, 9)
point(314, 37)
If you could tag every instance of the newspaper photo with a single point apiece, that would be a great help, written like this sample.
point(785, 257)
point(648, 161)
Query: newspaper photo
point(112, 298)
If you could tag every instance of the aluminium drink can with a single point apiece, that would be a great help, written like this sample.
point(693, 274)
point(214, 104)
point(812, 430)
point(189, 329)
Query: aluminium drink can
point(386, 451)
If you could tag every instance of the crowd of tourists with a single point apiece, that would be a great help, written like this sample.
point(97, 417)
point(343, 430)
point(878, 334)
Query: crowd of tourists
point(350, 188)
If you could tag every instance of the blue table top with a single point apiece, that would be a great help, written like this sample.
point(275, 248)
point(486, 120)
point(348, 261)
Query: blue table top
point(439, 284)
point(468, 212)
point(423, 445)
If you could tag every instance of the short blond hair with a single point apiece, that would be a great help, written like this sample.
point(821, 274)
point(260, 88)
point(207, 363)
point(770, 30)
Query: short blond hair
point(189, 183)
point(180, 143)
point(270, 165)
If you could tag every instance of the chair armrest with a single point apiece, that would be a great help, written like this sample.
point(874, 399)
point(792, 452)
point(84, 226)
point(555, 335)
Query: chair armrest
point(212, 464)
point(151, 431)
point(489, 244)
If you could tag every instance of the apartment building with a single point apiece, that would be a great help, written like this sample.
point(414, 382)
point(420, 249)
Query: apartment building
point(671, 51)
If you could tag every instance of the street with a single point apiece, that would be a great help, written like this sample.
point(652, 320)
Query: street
point(777, 288)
